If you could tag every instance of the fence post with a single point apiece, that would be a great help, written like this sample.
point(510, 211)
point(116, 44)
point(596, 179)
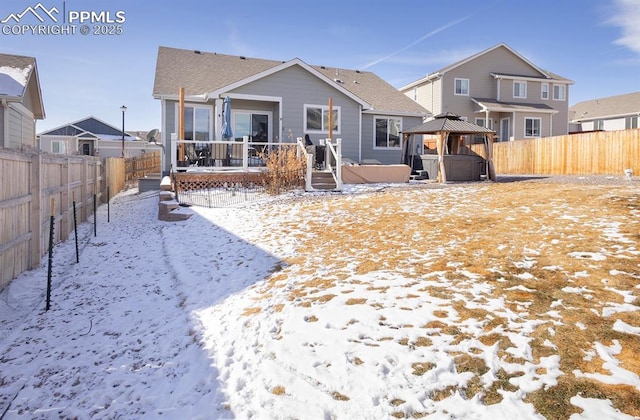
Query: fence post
point(84, 187)
point(64, 199)
point(35, 209)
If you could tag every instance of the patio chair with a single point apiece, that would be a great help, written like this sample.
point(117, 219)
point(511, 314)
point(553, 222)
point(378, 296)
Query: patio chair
point(235, 154)
point(219, 153)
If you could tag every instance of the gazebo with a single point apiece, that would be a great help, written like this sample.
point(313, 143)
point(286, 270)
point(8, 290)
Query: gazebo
point(450, 126)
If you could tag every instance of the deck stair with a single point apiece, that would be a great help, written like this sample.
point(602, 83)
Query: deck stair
point(169, 210)
point(321, 180)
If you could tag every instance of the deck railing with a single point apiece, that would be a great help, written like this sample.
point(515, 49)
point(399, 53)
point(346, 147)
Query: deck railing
point(211, 156)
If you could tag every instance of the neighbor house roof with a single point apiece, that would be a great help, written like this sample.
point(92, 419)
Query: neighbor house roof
point(19, 79)
point(544, 74)
point(88, 127)
point(608, 107)
point(204, 73)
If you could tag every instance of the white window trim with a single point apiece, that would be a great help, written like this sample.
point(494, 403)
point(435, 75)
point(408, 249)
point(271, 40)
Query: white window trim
point(208, 107)
point(542, 91)
point(386, 117)
point(455, 80)
point(539, 127)
point(520, 82)
point(324, 108)
point(564, 93)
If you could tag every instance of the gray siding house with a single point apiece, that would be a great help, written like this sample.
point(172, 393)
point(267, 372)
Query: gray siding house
point(88, 136)
point(498, 89)
point(20, 101)
point(280, 101)
point(620, 112)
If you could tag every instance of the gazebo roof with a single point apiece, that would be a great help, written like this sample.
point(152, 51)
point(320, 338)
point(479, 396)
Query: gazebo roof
point(448, 122)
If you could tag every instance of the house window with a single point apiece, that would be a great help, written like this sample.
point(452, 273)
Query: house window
point(255, 125)
point(387, 132)
point(532, 127)
point(482, 123)
point(519, 89)
point(58, 147)
point(461, 87)
point(316, 119)
point(598, 125)
point(559, 92)
point(544, 92)
point(632, 122)
point(197, 122)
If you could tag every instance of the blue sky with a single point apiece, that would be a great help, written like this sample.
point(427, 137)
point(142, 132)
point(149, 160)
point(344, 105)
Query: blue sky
point(595, 43)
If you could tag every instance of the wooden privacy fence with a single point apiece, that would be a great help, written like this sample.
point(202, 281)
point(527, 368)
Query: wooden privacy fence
point(141, 166)
point(29, 185)
point(596, 153)
point(28, 182)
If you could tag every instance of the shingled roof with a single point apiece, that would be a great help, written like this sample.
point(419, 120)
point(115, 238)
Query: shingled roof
point(204, 72)
point(16, 74)
point(609, 107)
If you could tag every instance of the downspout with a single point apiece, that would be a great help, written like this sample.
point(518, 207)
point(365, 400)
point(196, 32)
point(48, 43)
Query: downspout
point(360, 137)
point(280, 128)
point(163, 130)
point(513, 130)
point(5, 108)
point(498, 90)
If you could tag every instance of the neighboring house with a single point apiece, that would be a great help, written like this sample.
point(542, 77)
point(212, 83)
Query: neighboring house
point(499, 89)
point(88, 136)
point(20, 101)
point(279, 101)
point(618, 112)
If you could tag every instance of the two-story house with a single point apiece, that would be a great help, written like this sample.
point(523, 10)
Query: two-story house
point(499, 89)
point(20, 101)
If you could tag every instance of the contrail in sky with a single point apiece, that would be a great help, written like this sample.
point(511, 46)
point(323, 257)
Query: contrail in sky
point(430, 34)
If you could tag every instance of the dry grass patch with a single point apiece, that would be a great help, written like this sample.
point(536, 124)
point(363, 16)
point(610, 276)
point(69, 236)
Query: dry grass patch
point(420, 369)
point(338, 396)
point(251, 311)
point(356, 301)
point(517, 240)
point(554, 402)
point(278, 390)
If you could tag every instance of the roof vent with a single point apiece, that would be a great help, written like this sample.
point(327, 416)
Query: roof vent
point(357, 71)
point(323, 67)
point(356, 82)
point(242, 57)
point(338, 80)
point(197, 52)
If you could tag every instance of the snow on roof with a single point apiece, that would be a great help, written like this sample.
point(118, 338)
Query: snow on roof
point(13, 80)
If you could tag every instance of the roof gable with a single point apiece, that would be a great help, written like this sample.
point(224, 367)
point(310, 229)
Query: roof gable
point(19, 81)
point(89, 126)
point(211, 75)
point(543, 74)
point(489, 50)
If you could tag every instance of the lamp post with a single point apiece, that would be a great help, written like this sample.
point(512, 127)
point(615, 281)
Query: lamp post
point(123, 109)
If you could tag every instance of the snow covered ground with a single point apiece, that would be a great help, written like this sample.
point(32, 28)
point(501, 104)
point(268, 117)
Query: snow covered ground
point(270, 311)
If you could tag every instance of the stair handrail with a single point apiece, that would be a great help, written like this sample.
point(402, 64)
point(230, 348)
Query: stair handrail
point(336, 152)
point(308, 157)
